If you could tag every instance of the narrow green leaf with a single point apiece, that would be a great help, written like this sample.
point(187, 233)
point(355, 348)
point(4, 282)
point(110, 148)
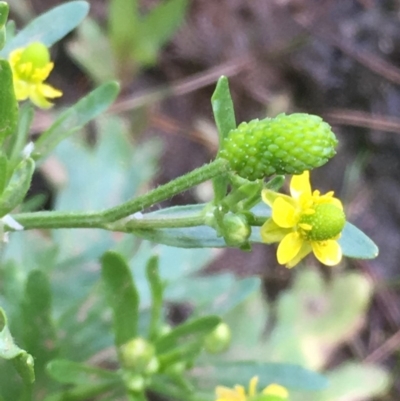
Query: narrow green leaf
point(122, 296)
point(232, 373)
point(224, 115)
point(76, 117)
point(156, 290)
point(18, 186)
point(223, 110)
point(123, 26)
point(3, 19)
point(23, 362)
point(161, 384)
point(68, 372)
point(8, 102)
point(186, 352)
point(356, 244)
point(157, 28)
point(3, 13)
point(3, 171)
point(39, 332)
point(20, 139)
point(49, 27)
point(191, 330)
point(82, 392)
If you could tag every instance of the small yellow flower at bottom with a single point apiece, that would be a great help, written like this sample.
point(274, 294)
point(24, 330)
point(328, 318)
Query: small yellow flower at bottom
point(31, 66)
point(238, 393)
point(304, 222)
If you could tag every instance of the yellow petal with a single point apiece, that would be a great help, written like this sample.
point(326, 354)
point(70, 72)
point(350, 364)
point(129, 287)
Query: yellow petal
point(283, 213)
point(300, 185)
point(327, 252)
point(39, 100)
point(269, 197)
point(330, 200)
point(21, 90)
point(253, 386)
point(276, 390)
point(38, 96)
point(304, 251)
point(271, 232)
point(228, 394)
point(50, 92)
point(289, 248)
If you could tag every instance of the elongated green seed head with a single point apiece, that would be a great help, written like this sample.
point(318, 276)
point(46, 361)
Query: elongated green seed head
point(286, 144)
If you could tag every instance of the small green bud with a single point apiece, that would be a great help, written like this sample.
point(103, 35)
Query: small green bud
point(286, 144)
point(138, 355)
point(235, 229)
point(219, 339)
point(326, 223)
point(133, 381)
point(178, 368)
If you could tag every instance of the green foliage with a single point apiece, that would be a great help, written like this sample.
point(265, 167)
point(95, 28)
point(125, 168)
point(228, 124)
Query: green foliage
point(361, 381)
point(122, 296)
point(49, 27)
point(98, 63)
point(3, 19)
point(23, 362)
point(143, 35)
point(75, 117)
point(17, 187)
point(327, 315)
point(90, 308)
point(8, 103)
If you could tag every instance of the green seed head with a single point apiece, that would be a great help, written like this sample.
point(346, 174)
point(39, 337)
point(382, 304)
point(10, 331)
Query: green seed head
point(287, 144)
point(326, 223)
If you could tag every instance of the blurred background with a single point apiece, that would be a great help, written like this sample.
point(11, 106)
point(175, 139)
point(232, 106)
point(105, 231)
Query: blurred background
point(336, 58)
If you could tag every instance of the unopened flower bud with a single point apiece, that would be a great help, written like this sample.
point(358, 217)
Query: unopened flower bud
point(138, 355)
point(133, 381)
point(236, 230)
point(219, 339)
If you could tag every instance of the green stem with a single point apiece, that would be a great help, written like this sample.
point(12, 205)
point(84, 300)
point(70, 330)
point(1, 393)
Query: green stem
point(46, 220)
point(195, 177)
point(157, 223)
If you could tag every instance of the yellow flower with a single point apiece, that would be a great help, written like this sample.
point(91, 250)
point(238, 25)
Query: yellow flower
point(238, 393)
point(303, 222)
point(31, 66)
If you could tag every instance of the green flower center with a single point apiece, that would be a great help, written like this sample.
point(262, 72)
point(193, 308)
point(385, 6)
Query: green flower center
point(325, 223)
point(35, 57)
